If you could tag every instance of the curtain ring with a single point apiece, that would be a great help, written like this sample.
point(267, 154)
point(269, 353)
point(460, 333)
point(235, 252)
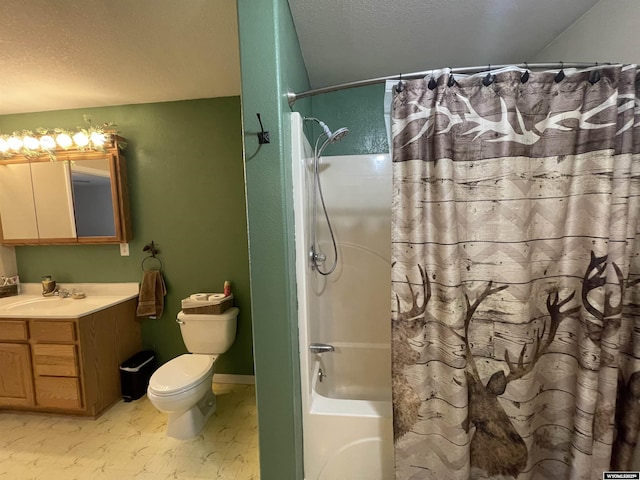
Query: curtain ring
point(452, 81)
point(400, 85)
point(560, 75)
point(594, 76)
point(525, 76)
point(488, 79)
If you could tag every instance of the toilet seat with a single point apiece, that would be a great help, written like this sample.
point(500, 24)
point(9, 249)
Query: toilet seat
point(181, 374)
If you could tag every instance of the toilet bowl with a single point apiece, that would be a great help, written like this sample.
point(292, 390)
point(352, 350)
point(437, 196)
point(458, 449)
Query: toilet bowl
point(182, 387)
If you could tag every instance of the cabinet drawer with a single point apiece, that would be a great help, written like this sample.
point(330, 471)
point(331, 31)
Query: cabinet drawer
point(13, 330)
point(58, 392)
point(55, 360)
point(53, 331)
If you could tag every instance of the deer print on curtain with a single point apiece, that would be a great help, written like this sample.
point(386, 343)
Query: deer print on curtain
point(516, 322)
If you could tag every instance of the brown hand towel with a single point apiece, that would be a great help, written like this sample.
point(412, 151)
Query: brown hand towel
point(151, 297)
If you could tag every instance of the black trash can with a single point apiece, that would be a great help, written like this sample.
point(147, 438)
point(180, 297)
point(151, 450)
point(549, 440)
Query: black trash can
point(135, 374)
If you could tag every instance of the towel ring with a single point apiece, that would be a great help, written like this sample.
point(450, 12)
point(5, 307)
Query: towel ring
point(144, 260)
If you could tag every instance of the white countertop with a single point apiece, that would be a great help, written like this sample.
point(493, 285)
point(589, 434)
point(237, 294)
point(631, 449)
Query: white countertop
point(30, 303)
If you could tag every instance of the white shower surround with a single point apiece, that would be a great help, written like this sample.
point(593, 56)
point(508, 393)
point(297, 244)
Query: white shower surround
point(347, 417)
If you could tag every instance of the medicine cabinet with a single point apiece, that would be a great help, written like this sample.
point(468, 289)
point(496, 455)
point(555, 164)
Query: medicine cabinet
point(80, 197)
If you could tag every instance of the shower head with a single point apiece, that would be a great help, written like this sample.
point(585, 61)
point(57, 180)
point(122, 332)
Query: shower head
point(334, 137)
point(338, 135)
point(331, 137)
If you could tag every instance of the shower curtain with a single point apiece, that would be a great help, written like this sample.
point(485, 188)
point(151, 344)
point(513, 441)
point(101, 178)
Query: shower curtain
point(516, 319)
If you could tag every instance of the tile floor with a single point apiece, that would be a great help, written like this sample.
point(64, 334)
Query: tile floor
point(128, 442)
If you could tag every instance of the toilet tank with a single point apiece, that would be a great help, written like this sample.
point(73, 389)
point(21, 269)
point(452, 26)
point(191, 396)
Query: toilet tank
point(207, 333)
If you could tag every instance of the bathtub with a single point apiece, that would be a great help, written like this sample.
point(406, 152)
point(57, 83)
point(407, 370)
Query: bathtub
point(350, 414)
point(354, 371)
point(345, 394)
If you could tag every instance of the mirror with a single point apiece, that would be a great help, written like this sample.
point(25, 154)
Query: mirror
point(81, 197)
point(92, 198)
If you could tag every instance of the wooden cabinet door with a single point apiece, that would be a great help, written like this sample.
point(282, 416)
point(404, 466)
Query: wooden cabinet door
point(17, 209)
point(16, 385)
point(53, 199)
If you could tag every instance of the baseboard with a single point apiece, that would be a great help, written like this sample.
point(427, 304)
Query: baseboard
point(231, 378)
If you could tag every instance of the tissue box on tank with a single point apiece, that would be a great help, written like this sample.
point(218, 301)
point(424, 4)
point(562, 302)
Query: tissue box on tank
point(210, 307)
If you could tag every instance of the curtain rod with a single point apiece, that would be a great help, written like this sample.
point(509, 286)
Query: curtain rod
point(293, 97)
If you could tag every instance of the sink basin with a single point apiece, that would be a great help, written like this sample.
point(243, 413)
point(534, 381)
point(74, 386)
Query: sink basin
point(57, 307)
point(32, 303)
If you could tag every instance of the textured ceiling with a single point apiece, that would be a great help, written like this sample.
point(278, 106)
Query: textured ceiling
point(348, 40)
point(80, 53)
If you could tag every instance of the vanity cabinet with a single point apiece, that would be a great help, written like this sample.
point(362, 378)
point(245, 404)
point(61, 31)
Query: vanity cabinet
point(67, 365)
point(80, 197)
point(16, 385)
point(56, 370)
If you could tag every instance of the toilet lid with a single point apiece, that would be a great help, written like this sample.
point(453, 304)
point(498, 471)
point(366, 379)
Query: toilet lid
point(181, 373)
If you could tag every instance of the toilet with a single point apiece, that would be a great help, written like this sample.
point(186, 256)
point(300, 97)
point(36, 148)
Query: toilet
point(182, 387)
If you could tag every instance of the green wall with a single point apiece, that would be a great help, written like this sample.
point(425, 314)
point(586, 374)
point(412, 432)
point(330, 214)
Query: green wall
point(361, 110)
point(272, 64)
point(186, 183)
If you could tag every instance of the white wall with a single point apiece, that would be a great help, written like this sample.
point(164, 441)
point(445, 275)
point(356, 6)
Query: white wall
point(606, 33)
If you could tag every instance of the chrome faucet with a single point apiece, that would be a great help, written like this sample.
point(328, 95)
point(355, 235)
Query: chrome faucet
point(63, 293)
point(321, 348)
point(49, 286)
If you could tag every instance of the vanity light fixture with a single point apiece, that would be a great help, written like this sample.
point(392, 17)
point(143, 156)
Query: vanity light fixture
point(64, 140)
point(32, 143)
point(14, 143)
point(81, 139)
point(49, 141)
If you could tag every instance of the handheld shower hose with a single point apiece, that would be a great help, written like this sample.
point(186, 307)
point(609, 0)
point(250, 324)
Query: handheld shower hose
point(315, 256)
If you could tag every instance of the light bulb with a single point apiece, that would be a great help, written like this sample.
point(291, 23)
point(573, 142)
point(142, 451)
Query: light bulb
point(47, 142)
point(80, 139)
point(64, 140)
point(15, 143)
point(4, 146)
point(97, 139)
point(31, 143)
